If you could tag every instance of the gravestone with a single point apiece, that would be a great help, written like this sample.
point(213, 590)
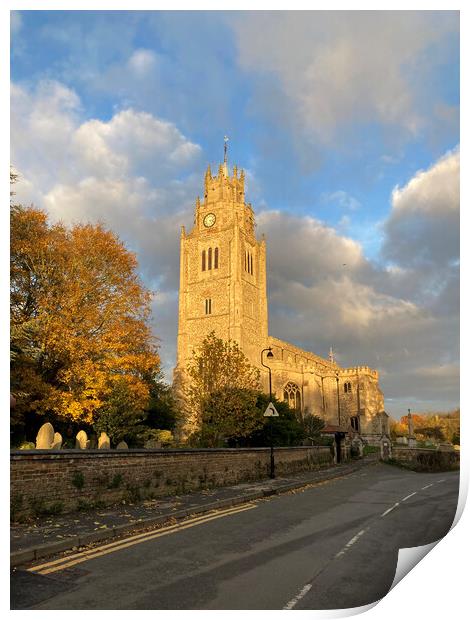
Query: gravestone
point(104, 442)
point(122, 445)
point(152, 444)
point(45, 437)
point(57, 443)
point(81, 440)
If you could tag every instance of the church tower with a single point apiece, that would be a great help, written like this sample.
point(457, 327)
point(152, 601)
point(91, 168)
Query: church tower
point(222, 271)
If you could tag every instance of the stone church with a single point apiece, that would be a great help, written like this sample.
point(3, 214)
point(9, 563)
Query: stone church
point(223, 289)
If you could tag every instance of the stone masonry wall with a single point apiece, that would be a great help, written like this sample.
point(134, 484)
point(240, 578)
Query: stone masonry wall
point(427, 459)
point(50, 482)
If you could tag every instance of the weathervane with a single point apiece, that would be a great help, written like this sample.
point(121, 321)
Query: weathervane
point(225, 149)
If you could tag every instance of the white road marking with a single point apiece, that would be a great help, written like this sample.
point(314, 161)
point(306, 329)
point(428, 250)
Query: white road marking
point(443, 480)
point(390, 509)
point(292, 603)
point(353, 540)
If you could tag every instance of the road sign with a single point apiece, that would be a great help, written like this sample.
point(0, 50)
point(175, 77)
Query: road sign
point(271, 412)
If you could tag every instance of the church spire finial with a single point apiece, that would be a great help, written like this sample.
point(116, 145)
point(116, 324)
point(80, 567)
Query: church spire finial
point(225, 149)
point(331, 355)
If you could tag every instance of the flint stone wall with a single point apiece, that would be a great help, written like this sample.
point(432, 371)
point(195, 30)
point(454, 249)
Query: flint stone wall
point(68, 480)
point(426, 459)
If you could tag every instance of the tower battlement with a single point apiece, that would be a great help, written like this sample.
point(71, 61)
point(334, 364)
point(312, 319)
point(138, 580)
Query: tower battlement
point(362, 370)
point(224, 186)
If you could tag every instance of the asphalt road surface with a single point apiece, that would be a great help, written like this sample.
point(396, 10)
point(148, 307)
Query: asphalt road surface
point(333, 545)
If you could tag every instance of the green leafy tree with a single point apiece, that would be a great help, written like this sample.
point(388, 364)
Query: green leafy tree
point(162, 411)
point(217, 367)
point(286, 429)
point(231, 415)
point(431, 433)
point(120, 416)
point(312, 426)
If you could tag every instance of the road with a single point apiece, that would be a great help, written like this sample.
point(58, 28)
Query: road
point(334, 545)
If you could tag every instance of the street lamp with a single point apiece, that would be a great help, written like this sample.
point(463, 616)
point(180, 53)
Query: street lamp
point(269, 355)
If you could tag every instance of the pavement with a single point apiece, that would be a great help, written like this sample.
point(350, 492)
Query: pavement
point(42, 537)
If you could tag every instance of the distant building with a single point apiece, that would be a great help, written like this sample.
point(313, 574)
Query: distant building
point(223, 289)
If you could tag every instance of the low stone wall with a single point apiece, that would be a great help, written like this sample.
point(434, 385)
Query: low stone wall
point(426, 459)
point(54, 481)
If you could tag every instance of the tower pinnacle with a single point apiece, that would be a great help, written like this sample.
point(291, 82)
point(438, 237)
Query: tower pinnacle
point(331, 355)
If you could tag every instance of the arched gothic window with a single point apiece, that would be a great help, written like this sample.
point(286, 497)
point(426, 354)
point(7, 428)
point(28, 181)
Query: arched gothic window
point(216, 258)
point(209, 259)
point(203, 260)
point(292, 396)
point(347, 387)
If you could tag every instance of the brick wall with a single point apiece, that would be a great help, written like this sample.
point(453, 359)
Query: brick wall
point(50, 482)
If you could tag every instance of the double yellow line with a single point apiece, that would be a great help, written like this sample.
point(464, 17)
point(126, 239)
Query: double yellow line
point(84, 556)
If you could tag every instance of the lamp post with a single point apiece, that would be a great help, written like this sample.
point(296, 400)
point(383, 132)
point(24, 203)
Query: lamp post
point(269, 355)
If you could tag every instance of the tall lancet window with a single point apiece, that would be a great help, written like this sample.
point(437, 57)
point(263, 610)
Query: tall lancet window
point(203, 260)
point(216, 258)
point(209, 258)
point(292, 396)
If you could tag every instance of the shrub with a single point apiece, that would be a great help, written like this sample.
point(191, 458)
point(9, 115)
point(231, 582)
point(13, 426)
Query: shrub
point(27, 445)
point(370, 450)
point(115, 482)
point(78, 480)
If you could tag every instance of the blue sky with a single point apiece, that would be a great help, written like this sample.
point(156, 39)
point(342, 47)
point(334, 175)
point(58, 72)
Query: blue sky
point(347, 124)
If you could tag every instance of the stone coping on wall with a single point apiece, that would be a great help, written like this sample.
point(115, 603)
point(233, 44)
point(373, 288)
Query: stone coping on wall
point(146, 451)
point(399, 448)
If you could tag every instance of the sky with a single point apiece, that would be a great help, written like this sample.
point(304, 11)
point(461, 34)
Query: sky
point(346, 123)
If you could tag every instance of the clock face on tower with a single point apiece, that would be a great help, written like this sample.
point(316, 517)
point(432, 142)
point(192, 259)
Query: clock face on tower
point(209, 220)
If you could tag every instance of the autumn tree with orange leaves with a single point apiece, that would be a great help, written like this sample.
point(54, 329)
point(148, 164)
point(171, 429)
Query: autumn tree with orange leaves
point(79, 320)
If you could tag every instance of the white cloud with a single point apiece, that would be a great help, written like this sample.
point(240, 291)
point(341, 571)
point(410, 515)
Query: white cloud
point(133, 143)
point(342, 199)
point(423, 227)
point(359, 66)
point(16, 22)
point(133, 172)
point(142, 62)
point(432, 191)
